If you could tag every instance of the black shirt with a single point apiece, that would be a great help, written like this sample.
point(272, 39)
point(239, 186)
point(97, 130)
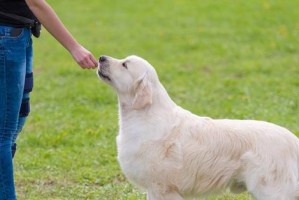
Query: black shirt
point(16, 7)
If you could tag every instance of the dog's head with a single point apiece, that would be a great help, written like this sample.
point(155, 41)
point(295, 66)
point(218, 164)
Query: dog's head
point(132, 78)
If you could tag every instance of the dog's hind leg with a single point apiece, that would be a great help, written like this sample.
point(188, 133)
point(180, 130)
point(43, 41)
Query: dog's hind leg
point(154, 195)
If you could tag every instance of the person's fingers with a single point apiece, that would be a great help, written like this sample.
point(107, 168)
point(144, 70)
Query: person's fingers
point(83, 63)
point(89, 63)
point(84, 58)
point(94, 61)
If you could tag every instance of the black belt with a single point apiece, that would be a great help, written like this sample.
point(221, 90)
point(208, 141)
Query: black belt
point(34, 25)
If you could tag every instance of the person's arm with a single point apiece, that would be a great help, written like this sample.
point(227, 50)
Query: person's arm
point(47, 16)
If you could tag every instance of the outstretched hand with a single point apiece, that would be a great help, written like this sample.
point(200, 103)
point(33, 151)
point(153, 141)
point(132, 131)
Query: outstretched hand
point(47, 16)
point(84, 58)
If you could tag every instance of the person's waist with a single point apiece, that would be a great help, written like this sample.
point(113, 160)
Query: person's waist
point(11, 31)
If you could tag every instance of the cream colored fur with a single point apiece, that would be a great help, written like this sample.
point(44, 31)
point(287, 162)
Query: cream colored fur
point(174, 154)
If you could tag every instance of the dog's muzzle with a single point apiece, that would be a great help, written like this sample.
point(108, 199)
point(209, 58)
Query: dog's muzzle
point(103, 68)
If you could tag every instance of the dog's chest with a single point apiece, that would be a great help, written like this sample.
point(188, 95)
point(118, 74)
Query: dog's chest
point(132, 161)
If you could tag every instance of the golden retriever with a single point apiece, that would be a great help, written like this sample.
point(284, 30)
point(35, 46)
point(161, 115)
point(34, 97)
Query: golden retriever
point(176, 155)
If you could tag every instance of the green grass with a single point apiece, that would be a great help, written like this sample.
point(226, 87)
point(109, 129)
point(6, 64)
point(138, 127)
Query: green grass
point(223, 59)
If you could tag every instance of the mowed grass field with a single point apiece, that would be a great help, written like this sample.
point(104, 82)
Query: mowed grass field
point(223, 59)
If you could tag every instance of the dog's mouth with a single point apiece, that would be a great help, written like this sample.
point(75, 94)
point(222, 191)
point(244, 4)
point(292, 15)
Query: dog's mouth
point(103, 69)
point(103, 76)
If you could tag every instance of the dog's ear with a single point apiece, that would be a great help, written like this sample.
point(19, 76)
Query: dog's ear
point(143, 93)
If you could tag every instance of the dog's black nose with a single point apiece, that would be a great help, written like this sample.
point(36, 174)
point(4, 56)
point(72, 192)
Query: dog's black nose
point(103, 59)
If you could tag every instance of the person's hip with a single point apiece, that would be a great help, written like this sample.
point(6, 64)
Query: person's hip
point(14, 45)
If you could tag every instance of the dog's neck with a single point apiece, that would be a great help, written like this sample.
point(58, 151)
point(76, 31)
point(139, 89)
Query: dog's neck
point(159, 112)
point(160, 102)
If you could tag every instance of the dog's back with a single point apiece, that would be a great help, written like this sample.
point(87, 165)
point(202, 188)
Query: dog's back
point(242, 154)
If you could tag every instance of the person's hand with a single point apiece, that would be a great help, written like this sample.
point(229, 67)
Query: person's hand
point(47, 16)
point(84, 58)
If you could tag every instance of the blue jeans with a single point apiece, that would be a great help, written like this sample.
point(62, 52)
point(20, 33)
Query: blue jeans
point(15, 70)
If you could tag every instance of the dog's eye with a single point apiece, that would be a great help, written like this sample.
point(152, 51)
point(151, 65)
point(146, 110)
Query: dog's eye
point(124, 64)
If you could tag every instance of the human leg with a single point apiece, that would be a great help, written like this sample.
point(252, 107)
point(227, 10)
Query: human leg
point(25, 105)
point(12, 75)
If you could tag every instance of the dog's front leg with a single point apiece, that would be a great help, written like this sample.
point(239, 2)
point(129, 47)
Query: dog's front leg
point(154, 195)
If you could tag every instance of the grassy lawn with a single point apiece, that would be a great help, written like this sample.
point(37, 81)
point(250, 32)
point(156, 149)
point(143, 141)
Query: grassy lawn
point(223, 59)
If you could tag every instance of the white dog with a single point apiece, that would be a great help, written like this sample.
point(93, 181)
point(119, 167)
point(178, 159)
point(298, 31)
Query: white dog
point(177, 155)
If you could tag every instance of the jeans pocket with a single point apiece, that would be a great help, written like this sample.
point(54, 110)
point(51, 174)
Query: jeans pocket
point(8, 32)
point(16, 32)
